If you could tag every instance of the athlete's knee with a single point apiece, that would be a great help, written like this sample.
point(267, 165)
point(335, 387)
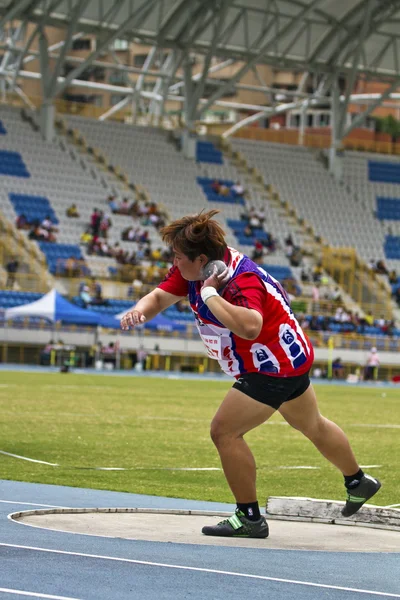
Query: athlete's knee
point(315, 428)
point(220, 434)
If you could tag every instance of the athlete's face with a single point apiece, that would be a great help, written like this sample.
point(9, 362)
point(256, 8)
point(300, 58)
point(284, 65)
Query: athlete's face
point(189, 269)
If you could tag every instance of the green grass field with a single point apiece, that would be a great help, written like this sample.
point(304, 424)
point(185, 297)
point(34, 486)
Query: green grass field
point(149, 424)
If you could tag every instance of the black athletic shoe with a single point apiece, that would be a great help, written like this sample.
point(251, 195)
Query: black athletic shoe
point(358, 495)
point(239, 526)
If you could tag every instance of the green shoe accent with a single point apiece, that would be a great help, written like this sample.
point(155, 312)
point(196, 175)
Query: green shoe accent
point(351, 498)
point(235, 521)
point(239, 526)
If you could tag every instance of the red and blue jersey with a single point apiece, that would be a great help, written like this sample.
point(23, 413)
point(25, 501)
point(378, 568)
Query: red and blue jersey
point(281, 350)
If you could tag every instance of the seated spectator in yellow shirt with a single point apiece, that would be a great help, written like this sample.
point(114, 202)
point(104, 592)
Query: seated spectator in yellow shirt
point(72, 211)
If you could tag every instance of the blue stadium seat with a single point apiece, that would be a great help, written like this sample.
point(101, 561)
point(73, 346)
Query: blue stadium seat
point(35, 208)
point(11, 163)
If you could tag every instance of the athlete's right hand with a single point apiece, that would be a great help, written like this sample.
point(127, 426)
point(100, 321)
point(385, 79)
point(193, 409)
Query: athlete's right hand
point(132, 319)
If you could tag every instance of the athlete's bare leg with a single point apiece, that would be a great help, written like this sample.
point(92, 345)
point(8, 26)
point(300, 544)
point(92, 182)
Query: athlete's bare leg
point(237, 415)
point(303, 414)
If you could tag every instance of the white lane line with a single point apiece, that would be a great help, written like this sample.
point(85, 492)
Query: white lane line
point(35, 594)
point(299, 467)
point(42, 462)
point(376, 425)
point(370, 466)
point(202, 570)
point(31, 504)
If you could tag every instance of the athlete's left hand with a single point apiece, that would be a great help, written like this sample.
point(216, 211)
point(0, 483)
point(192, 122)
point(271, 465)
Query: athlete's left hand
point(217, 281)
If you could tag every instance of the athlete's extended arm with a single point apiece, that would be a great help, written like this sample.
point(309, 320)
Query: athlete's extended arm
point(148, 307)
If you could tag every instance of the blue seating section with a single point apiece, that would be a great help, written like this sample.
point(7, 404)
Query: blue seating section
point(9, 299)
point(279, 272)
point(388, 208)
point(56, 254)
point(334, 327)
point(207, 152)
point(3, 130)
point(238, 228)
point(389, 172)
point(113, 307)
point(392, 246)
point(11, 163)
point(35, 208)
point(179, 317)
point(205, 183)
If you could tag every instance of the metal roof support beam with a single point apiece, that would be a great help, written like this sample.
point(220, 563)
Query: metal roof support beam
point(76, 13)
point(199, 88)
point(213, 69)
point(44, 61)
point(170, 20)
point(267, 112)
point(8, 55)
point(114, 109)
point(288, 28)
point(190, 102)
point(352, 79)
point(139, 16)
point(360, 119)
point(137, 88)
point(171, 63)
point(15, 11)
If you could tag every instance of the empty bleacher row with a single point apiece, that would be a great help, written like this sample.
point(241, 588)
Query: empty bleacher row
point(337, 212)
point(374, 191)
point(148, 158)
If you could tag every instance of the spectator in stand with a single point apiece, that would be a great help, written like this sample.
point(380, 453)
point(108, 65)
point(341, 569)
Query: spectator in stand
point(397, 296)
point(95, 220)
point(369, 318)
point(124, 208)
point(254, 222)
point(258, 252)
point(105, 224)
point(86, 236)
point(237, 189)
point(85, 296)
point(372, 364)
point(393, 277)
point(21, 222)
point(97, 299)
point(317, 273)
point(296, 257)
point(129, 234)
point(337, 368)
point(224, 190)
point(215, 186)
point(48, 224)
point(109, 354)
point(380, 268)
point(335, 295)
point(144, 237)
point(137, 286)
point(71, 267)
point(12, 269)
point(72, 212)
point(247, 231)
point(260, 214)
point(112, 204)
point(270, 243)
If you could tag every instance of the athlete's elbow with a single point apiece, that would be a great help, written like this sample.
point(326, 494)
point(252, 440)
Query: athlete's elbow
point(251, 332)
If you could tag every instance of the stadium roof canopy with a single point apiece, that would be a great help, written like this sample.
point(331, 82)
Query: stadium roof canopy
point(327, 37)
point(311, 35)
